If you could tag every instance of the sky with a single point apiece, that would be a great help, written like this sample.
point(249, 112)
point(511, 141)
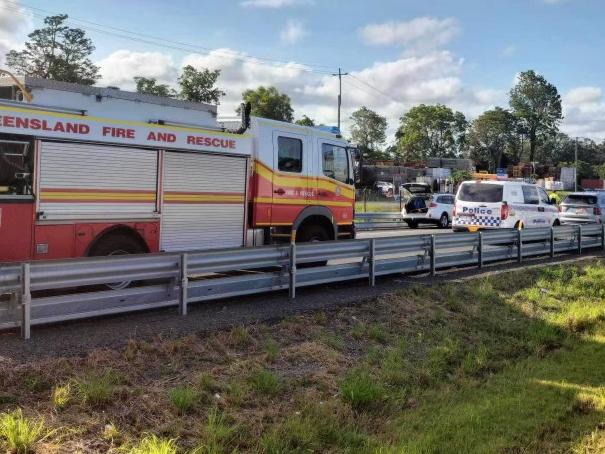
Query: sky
point(398, 53)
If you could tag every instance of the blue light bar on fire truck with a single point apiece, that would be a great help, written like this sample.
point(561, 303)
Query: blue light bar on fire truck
point(330, 129)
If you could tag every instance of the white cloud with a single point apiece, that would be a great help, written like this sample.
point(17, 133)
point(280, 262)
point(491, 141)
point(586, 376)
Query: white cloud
point(15, 23)
point(420, 33)
point(399, 84)
point(275, 3)
point(293, 32)
point(122, 66)
point(583, 95)
point(584, 111)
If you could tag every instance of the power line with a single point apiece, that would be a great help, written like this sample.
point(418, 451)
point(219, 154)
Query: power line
point(162, 42)
point(377, 90)
point(187, 47)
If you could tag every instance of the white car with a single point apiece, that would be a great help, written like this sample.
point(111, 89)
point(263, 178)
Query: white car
point(385, 188)
point(502, 204)
point(434, 209)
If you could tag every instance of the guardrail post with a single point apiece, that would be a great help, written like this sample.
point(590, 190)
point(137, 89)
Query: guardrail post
point(292, 271)
point(184, 284)
point(579, 239)
point(26, 300)
point(552, 242)
point(433, 258)
point(519, 246)
point(480, 250)
point(372, 262)
point(603, 237)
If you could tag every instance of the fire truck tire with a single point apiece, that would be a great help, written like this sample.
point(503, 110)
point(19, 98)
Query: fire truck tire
point(117, 244)
point(310, 234)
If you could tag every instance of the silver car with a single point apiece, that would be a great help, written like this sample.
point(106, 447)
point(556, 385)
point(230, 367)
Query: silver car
point(583, 208)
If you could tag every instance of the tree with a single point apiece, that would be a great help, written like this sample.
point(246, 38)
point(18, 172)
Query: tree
point(268, 102)
point(57, 52)
point(490, 135)
point(431, 131)
point(368, 131)
point(537, 105)
point(150, 86)
point(198, 85)
point(458, 176)
point(305, 121)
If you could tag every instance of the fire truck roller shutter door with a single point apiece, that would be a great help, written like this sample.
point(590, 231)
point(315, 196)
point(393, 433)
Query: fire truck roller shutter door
point(204, 201)
point(90, 181)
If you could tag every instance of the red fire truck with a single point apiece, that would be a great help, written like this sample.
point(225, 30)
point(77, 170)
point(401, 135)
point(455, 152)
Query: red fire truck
point(88, 171)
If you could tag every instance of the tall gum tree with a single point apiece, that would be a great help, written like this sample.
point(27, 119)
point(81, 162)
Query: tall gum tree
point(537, 105)
point(56, 52)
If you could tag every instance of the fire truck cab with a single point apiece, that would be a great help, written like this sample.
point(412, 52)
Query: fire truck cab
point(87, 171)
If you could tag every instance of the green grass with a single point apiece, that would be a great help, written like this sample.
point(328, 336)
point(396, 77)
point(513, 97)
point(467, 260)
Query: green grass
point(546, 400)
point(509, 363)
point(368, 207)
point(151, 444)
point(332, 340)
point(361, 390)
point(61, 396)
point(377, 333)
point(183, 398)
point(21, 435)
point(217, 434)
point(240, 337)
point(97, 389)
point(264, 381)
point(271, 350)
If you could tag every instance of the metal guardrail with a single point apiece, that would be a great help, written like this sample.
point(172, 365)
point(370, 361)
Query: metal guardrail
point(53, 291)
point(378, 221)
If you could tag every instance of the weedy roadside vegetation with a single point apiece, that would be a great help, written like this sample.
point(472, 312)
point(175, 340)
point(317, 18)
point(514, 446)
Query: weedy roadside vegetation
point(513, 362)
point(20, 434)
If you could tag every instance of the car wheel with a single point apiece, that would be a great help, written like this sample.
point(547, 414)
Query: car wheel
point(412, 224)
point(444, 221)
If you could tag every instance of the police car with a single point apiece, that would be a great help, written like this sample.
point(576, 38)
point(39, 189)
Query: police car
point(502, 204)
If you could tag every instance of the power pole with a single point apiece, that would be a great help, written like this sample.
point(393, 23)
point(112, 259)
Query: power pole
point(576, 165)
point(340, 74)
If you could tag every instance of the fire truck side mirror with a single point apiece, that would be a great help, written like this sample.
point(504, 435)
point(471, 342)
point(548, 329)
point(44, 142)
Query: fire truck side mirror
point(355, 159)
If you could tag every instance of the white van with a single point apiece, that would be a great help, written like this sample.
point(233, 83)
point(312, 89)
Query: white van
point(502, 204)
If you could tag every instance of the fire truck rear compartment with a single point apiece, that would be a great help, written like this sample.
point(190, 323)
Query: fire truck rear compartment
point(198, 198)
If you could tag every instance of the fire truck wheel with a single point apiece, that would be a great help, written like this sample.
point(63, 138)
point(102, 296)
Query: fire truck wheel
point(117, 244)
point(311, 234)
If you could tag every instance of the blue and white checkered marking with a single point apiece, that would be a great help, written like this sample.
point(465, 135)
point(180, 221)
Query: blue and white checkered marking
point(481, 221)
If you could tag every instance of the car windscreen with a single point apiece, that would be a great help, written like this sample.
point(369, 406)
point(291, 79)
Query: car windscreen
point(480, 192)
point(580, 199)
